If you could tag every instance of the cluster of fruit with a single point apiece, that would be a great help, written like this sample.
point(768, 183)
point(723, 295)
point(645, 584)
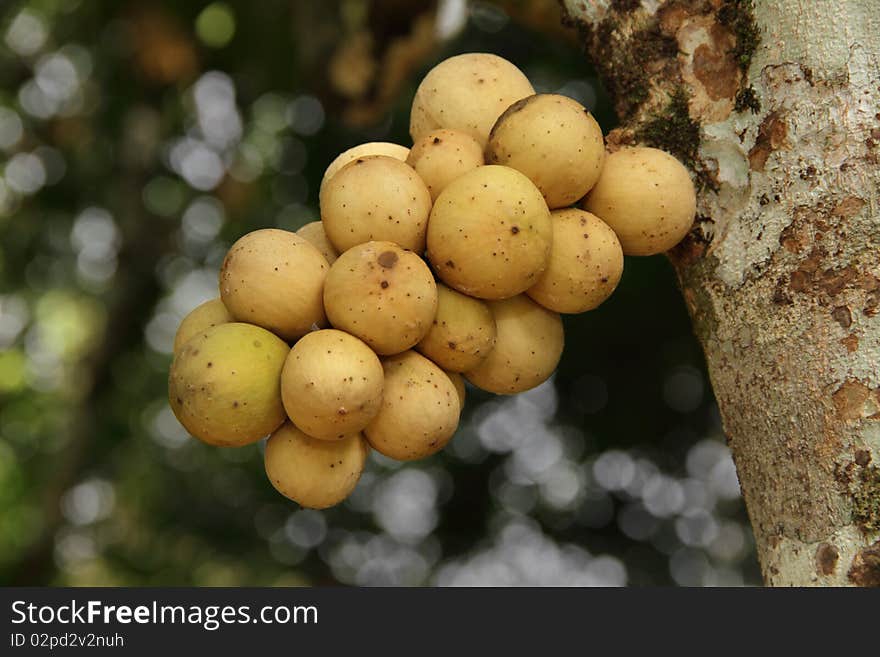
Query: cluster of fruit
point(453, 258)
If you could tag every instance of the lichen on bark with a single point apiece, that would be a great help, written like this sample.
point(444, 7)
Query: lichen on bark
point(673, 130)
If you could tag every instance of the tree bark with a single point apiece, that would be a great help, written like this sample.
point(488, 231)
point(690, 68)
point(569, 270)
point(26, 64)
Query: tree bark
point(775, 106)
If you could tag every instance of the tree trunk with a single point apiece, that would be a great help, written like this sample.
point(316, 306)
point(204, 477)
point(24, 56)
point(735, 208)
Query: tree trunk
point(775, 106)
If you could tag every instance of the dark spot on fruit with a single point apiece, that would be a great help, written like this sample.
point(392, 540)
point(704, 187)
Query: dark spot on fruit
point(384, 284)
point(179, 400)
point(514, 230)
point(436, 140)
point(210, 364)
point(235, 404)
point(450, 264)
point(387, 259)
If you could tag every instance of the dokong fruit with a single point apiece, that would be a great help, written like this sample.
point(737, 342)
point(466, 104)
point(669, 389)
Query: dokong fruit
point(429, 266)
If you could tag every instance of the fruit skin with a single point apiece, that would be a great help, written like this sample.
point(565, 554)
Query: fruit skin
point(363, 150)
point(316, 474)
point(527, 350)
point(467, 93)
point(462, 334)
point(376, 198)
point(458, 381)
point(383, 294)
point(274, 279)
point(647, 197)
point(443, 155)
point(331, 384)
point(211, 313)
point(224, 387)
point(313, 232)
point(553, 140)
point(490, 234)
point(420, 409)
point(586, 263)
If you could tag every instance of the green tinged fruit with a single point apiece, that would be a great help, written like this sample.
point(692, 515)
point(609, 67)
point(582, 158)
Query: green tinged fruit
point(211, 313)
point(224, 385)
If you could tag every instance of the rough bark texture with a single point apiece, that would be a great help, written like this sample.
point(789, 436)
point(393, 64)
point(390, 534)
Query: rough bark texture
point(775, 106)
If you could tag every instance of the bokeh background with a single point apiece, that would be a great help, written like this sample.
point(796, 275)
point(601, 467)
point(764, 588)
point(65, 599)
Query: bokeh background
point(138, 140)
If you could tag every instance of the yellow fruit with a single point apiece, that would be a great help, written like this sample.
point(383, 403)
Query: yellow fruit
point(363, 150)
point(382, 294)
point(420, 409)
point(553, 140)
point(441, 156)
point(316, 474)
point(274, 279)
point(462, 334)
point(647, 198)
point(467, 93)
point(314, 233)
point(458, 381)
point(331, 384)
point(211, 313)
point(528, 346)
point(376, 198)
point(490, 233)
point(224, 385)
point(586, 263)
